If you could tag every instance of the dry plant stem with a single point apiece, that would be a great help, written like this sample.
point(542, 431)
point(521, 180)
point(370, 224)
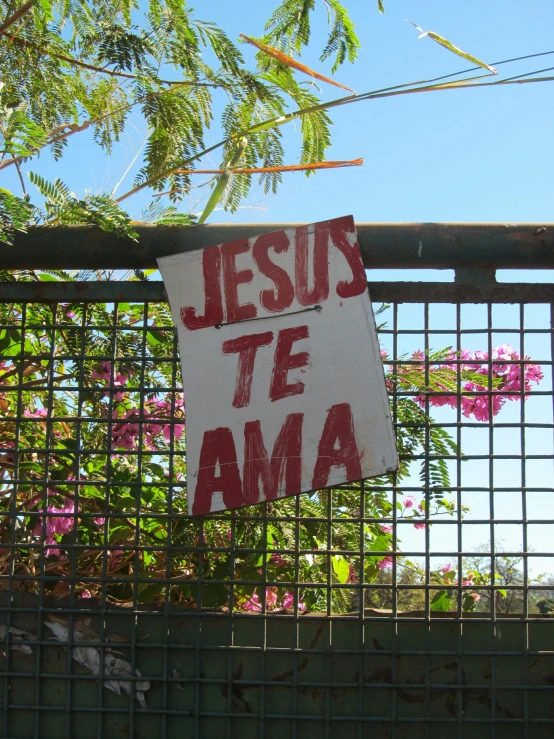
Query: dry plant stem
point(262, 170)
point(283, 168)
point(292, 63)
point(274, 122)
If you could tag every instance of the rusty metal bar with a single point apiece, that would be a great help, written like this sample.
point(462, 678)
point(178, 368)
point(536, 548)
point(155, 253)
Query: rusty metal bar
point(383, 245)
point(402, 292)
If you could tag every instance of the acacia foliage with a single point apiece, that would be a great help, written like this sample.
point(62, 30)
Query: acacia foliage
point(69, 66)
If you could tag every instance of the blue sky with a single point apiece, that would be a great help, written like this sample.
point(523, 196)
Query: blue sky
point(472, 155)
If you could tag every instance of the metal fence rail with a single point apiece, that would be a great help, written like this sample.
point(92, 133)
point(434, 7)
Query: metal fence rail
point(328, 613)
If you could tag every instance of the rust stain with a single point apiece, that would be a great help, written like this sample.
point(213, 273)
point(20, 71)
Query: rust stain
point(238, 701)
point(411, 697)
point(381, 674)
point(290, 673)
point(317, 635)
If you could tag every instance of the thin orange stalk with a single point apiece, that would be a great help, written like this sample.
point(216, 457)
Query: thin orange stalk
point(282, 168)
point(290, 62)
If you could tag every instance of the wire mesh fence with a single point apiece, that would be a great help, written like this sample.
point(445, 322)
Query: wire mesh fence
point(408, 605)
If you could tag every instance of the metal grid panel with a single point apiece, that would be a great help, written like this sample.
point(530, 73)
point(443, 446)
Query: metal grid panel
point(246, 624)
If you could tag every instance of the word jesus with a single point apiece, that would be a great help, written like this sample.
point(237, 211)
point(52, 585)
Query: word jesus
point(289, 283)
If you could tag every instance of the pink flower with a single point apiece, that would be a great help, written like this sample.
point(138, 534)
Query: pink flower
point(476, 597)
point(277, 560)
point(119, 381)
point(52, 550)
point(56, 525)
point(534, 373)
point(288, 602)
point(421, 506)
point(41, 413)
point(386, 528)
point(6, 455)
point(253, 603)
point(99, 521)
point(270, 597)
point(419, 525)
point(125, 434)
point(385, 563)
point(446, 568)
point(178, 429)
point(409, 501)
point(506, 371)
point(85, 593)
point(102, 371)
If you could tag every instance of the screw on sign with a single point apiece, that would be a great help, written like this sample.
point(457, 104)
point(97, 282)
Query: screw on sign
point(282, 375)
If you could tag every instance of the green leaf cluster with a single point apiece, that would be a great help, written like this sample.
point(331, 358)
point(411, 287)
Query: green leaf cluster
point(68, 66)
point(63, 208)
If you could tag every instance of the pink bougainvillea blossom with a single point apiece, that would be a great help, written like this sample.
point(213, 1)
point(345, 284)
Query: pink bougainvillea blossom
point(126, 433)
point(446, 568)
point(277, 560)
point(386, 528)
point(41, 413)
point(270, 598)
point(254, 604)
point(102, 371)
point(419, 525)
point(288, 602)
point(511, 378)
point(385, 563)
point(6, 447)
point(51, 547)
point(159, 417)
point(56, 522)
point(408, 501)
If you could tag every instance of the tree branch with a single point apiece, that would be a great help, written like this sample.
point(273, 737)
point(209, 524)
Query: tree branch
point(16, 16)
point(102, 70)
point(57, 135)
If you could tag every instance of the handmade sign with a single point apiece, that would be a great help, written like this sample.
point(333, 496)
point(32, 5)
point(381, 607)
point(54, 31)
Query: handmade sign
point(282, 374)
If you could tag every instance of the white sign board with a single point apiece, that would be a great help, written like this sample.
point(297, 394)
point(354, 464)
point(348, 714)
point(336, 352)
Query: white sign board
point(282, 375)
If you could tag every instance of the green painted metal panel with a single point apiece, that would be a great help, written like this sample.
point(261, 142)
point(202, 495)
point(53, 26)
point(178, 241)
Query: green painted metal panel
point(217, 674)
